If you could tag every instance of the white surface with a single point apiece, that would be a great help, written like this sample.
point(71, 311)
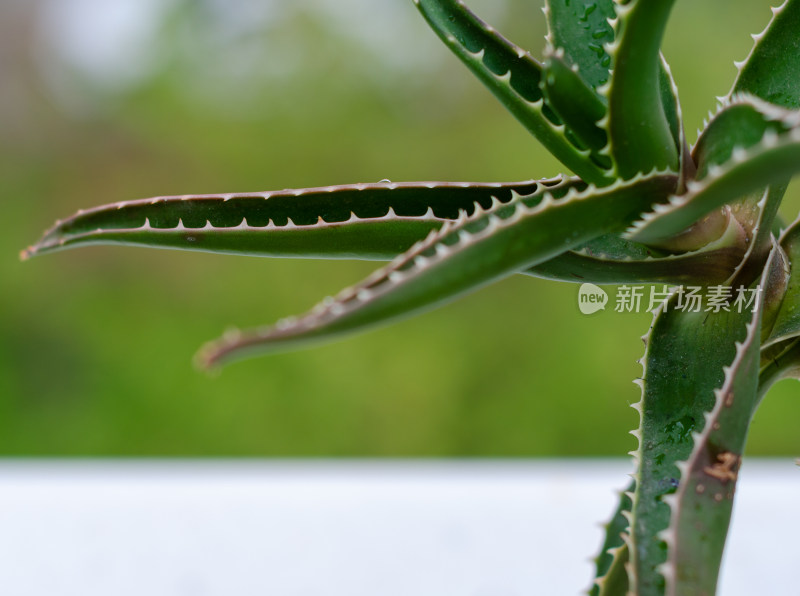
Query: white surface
point(388, 528)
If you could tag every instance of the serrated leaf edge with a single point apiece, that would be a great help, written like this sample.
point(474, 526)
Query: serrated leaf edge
point(668, 535)
point(771, 140)
point(633, 580)
point(405, 266)
point(757, 37)
point(52, 239)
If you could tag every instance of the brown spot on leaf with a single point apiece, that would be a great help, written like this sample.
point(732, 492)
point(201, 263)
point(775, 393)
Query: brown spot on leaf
point(726, 468)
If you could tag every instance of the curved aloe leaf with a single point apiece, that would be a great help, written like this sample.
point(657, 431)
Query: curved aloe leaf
point(585, 48)
point(696, 268)
point(772, 69)
point(585, 43)
point(457, 259)
point(764, 212)
point(513, 76)
point(638, 127)
point(701, 507)
point(782, 364)
point(577, 105)
point(615, 581)
point(612, 260)
point(741, 124)
point(684, 363)
point(611, 577)
point(787, 321)
point(775, 158)
point(674, 115)
point(366, 221)
point(774, 282)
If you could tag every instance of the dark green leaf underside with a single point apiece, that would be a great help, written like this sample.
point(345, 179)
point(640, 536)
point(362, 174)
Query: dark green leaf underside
point(366, 221)
point(461, 258)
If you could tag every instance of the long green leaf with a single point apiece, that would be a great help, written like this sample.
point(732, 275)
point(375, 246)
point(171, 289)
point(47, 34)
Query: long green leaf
point(640, 135)
point(611, 578)
point(362, 221)
point(615, 581)
point(683, 365)
point(577, 105)
point(674, 115)
point(457, 259)
point(365, 221)
point(612, 260)
point(513, 76)
point(701, 508)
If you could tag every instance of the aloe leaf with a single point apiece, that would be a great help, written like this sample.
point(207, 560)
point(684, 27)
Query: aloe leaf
point(684, 363)
point(674, 115)
point(669, 99)
point(577, 105)
point(581, 27)
point(699, 267)
point(782, 364)
point(786, 325)
point(513, 76)
point(774, 287)
point(772, 69)
point(459, 258)
point(739, 124)
point(742, 123)
point(779, 224)
point(612, 260)
point(764, 212)
point(611, 577)
point(638, 127)
point(366, 221)
point(701, 507)
point(615, 581)
point(774, 159)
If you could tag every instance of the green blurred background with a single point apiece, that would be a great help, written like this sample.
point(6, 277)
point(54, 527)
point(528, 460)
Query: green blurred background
point(108, 100)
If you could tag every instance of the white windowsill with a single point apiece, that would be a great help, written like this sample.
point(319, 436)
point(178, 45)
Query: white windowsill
point(350, 528)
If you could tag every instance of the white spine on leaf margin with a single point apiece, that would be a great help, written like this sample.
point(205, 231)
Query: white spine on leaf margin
point(636, 453)
point(757, 37)
point(770, 140)
point(669, 535)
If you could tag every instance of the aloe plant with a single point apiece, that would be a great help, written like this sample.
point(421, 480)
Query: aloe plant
point(642, 207)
